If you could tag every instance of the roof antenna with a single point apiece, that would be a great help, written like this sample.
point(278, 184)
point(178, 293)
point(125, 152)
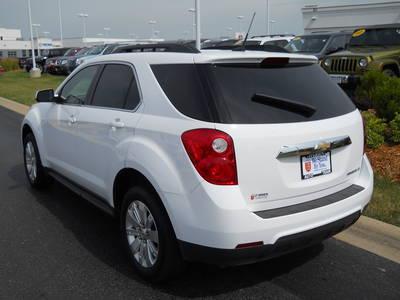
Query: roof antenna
point(243, 47)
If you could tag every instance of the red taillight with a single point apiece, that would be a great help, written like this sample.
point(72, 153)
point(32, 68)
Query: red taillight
point(212, 154)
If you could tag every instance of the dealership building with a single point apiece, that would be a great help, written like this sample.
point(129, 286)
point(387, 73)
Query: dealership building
point(317, 18)
point(12, 44)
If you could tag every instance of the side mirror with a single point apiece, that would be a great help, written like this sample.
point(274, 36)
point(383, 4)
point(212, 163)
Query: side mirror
point(45, 96)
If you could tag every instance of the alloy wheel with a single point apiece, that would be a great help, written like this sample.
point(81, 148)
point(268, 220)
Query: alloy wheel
point(30, 161)
point(142, 234)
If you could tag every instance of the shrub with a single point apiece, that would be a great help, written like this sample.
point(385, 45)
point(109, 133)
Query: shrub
point(395, 128)
point(381, 92)
point(386, 98)
point(368, 84)
point(9, 64)
point(375, 129)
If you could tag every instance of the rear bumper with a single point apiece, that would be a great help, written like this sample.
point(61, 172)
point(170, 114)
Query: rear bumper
point(209, 231)
point(287, 244)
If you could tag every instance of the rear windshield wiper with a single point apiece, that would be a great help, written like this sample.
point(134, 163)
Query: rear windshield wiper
point(285, 104)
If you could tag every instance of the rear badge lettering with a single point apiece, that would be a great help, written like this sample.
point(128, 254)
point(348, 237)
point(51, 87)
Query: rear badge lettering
point(255, 197)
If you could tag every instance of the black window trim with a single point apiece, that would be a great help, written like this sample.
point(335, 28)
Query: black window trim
point(95, 82)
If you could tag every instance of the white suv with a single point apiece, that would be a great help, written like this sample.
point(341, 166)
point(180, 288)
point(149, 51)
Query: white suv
point(227, 157)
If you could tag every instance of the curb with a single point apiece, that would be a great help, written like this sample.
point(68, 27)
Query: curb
point(374, 236)
point(14, 106)
point(369, 234)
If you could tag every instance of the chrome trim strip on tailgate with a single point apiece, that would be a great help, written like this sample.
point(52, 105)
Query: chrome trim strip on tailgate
point(302, 207)
point(314, 147)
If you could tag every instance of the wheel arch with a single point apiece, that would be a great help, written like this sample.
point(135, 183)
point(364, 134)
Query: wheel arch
point(26, 129)
point(32, 124)
point(124, 180)
point(391, 64)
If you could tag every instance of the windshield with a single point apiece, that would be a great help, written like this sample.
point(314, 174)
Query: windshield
point(95, 50)
point(71, 52)
point(308, 44)
point(246, 94)
point(83, 51)
point(376, 37)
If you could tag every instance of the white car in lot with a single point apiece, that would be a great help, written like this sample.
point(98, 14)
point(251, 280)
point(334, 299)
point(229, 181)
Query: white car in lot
point(225, 158)
point(279, 40)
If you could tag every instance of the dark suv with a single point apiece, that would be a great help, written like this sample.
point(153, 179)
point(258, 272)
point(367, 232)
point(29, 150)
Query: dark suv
point(319, 44)
point(371, 48)
point(45, 54)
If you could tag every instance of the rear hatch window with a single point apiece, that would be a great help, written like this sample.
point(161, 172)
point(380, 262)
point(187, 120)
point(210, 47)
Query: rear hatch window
point(250, 94)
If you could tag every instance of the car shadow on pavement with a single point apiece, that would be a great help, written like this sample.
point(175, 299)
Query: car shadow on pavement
point(99, 234)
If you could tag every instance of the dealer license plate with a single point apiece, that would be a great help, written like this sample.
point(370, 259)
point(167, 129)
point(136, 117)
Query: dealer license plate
point(316, 164)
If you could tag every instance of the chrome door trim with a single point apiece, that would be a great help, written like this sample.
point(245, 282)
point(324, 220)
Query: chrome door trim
point(314, 147)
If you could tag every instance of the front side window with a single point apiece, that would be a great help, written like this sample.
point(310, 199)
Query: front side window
point(117, 88)
point(76, 91)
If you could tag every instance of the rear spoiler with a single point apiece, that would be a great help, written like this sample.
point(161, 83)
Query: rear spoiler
point(266, 61)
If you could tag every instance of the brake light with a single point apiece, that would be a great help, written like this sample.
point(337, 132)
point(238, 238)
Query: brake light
point(212, 154)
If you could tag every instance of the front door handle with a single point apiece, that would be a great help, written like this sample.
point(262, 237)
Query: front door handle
point(117, 124)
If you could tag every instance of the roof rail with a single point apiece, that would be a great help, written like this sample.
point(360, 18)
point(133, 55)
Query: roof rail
point(273, 35)
point(161, 47)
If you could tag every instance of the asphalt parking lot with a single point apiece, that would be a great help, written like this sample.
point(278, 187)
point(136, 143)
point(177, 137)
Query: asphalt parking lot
point(55, 245)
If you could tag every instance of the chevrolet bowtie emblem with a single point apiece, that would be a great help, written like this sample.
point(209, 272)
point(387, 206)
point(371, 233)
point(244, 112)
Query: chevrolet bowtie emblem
point(323, 146)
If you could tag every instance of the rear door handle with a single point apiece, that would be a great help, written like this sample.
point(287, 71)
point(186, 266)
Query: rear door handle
point(117, 124)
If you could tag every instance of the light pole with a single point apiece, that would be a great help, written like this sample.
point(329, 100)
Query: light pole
point(198, 25)
point(193, 11)
point(152, 24)
point(230, 30)
point(106, 31)
point(240, 18)
point(271, 23)
point(36, 26)
point(35, 72)
point(83, 16)
point(60, 19)
point(267, 18)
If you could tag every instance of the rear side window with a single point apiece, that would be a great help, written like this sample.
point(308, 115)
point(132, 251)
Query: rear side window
point(226, 93)
point(184, 88)
point(116, 88)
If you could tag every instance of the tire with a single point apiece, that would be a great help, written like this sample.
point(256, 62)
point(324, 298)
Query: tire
point(34, 170)
point(154, 255)
point(390, 72)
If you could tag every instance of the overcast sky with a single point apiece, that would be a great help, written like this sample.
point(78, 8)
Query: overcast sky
point(126, 17)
